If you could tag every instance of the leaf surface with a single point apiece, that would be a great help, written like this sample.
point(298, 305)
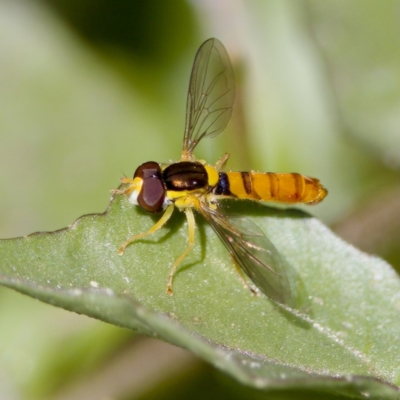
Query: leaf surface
point(344, 338)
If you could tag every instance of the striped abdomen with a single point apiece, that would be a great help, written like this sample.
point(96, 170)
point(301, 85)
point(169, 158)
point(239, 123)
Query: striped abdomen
point(285, 188)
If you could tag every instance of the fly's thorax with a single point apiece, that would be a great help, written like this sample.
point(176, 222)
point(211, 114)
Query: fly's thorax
point(185, 176)
point(186, 179)
point(148, 190)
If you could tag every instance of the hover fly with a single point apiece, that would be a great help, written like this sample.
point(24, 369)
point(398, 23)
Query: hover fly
point(191, 184)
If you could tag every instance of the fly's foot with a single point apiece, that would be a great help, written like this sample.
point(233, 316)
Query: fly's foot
point(121, 250)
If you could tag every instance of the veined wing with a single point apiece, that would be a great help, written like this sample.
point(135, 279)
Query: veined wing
point(211, 95)
point(253, 252)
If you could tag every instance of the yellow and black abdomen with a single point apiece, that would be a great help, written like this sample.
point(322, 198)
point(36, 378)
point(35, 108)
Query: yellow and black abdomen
point(285, 188)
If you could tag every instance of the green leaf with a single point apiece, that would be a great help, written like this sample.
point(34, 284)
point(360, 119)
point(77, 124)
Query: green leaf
point(345, 341)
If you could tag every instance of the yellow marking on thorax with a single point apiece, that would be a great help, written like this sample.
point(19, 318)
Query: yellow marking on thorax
point(175, 194)
point(172, 194)
point(213, 176)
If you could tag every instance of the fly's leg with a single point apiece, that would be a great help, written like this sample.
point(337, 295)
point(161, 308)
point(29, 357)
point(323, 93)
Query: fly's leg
point(242, 278)
point(191, 228)
point(124, 191)
point(220, 164)
point(160, 223)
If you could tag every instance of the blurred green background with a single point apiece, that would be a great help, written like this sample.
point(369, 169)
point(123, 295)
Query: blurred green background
point(90, 89)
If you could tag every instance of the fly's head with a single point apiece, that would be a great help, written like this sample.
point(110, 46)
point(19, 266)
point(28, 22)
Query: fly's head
point(147, 188)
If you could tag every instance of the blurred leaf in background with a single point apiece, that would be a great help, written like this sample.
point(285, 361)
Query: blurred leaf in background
point(89, 90)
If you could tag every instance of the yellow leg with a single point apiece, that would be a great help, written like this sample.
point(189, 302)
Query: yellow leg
point(191, 227)
point(220, 164)
point(125, 191)
point(160, 223)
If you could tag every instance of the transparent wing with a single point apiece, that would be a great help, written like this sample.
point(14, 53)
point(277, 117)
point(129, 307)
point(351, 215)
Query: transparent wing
point(211, 94)
point(254, 253)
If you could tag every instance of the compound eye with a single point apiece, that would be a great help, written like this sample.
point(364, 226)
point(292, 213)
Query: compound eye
point(152, 193)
